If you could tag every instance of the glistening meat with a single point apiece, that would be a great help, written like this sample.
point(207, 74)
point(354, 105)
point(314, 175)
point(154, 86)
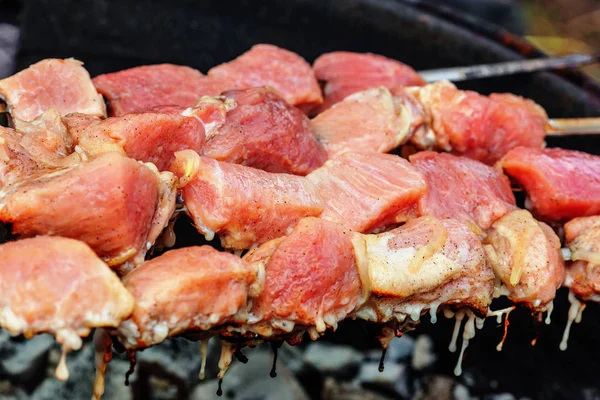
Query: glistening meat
point(60, 287)
point(561, 184)
point(366, 191)
point(345, 73)
point(211, 288)
point(265, 132)
point(150, 86)
point(290, 76)
point(126, 205)
point(371, 120)
point(244, 206)
point(479, 127)
point(61, 84)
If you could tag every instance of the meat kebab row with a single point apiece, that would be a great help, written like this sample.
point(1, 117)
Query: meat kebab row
point(329, 226)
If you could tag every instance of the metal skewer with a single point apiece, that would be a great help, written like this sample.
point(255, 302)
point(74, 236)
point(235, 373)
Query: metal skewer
point(573, 126)
point(507, 68)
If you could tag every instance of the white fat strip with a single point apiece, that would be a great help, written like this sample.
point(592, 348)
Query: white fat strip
point(468, 334)
point(203, 353)
point(227, 351)
point(574, 312)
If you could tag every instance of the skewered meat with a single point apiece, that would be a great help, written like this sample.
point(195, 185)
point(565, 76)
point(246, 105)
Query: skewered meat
point(463, 189)
point(61, 84)
point(265, 132)
point(425, 264)
point(244, 206)
point(314, 278)
point(116, 205)
point(479, 127)
point(582, 237)
point(58, 285)
point(561, 184)
point(526, 258)
point(152, 135)
point(371, 120)
point(368, 191)
point(34, 148)
point(345, 73)
point(194, 288)
point(149, 86)
point(290, 76)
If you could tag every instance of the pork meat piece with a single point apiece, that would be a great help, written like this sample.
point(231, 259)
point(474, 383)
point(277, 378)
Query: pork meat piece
point(313, 279)
point(582, 237)
point(371, 120)
point(561, 184)
point(265, 132)
point(463, 189)
point(366, 192)
point(482, 128)
point(423, 265)
point(290, 76)
point(149, 86)
point(526, 258)
point(190, 289)
point(345, 73)
point(59, 286)
point(244, 206)
point(116, 205)
point(35, 148)
point(60, 84)
point(152, 135)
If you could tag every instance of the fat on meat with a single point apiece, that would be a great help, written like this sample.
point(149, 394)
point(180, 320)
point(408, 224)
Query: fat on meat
point(149, 86)
point(480, 127)
point(463, 189)
point(64, 85)
point(313, 278)
point(243, 205)
point(34, 148)
point(370, 120)
point(367, 191)
point(116, 205)
point(560, 184)
point(526, 257)
point(423, 265)
point(290, 76)
point(265, 132)
point(152, 135)
point(582, 237)
point(189, 289)
point(344, 73)
point(59, 286)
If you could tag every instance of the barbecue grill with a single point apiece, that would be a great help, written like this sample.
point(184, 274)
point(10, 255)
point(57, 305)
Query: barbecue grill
point(111, 37)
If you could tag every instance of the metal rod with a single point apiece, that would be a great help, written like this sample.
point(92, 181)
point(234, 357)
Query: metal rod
point(573, 126)
point(507, 68)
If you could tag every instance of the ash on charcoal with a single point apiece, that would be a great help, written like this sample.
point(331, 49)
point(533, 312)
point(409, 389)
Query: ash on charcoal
point(460, 392)
point(393, 379)
point(334, 390)
point(10, 392)
point(114, 386)
point(423, 356)
point(399, 349)
point(436, 387)
point(333, 359)
point(251, 381)
point(170, 370)
point(28, 359)
point(590, 393)
point(500, 396)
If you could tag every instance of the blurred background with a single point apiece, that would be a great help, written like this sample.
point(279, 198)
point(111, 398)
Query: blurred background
point(555, 26)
